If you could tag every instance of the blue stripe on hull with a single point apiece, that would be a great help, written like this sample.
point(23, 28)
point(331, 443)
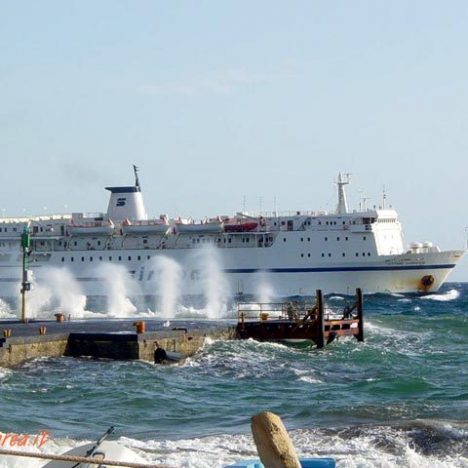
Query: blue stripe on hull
point(339, 269)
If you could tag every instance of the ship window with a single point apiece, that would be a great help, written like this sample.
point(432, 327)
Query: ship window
point(284, 239)
point(337, 238)
point(326, 223)
point(100, 259)
point(148, 257)
point(248, 240)
point(120, 258)
point(323, 255)
point(302, 255)
point(308, 255)
point(72, 259)
point(98, 242)
point(110, 259)
point(129, 259)
point(343, 254)
point(14, 229)
point(90, 259)
point(63, 259)
point(363, 254)
point(320, 222)
point(364, 238)
point(344, 222)
point(139, 257)
point(283, 223)
point(302, 239)
point(329, 254)
point(308, 239)
point(76, 243)
point(326, 238)
point(346, 238)
point(229, 240)
point(145, 241)
point(357, 255)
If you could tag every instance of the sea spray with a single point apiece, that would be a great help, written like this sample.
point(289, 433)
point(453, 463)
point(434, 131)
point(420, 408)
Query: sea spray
point(265, 292)
point(57, 291)
point(118, 287)
point(166, 275)
point(5, 310)
point(214, 285)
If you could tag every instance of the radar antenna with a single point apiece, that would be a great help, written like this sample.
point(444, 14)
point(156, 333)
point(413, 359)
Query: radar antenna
point(137, 181)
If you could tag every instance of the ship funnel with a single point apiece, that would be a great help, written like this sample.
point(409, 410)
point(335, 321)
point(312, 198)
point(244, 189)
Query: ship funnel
point(342, 207)
point(127, 202)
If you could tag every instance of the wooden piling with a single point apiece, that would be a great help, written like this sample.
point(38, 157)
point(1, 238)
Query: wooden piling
point(273, 443)
point(320, 319)
point(360, 308)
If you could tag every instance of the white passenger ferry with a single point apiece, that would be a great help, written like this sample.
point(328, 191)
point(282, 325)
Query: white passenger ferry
point(292, 254)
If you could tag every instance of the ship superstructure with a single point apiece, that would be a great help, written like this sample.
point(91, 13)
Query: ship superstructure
point(294, 254)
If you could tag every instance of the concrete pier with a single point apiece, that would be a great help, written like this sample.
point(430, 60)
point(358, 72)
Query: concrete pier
point(109, 338)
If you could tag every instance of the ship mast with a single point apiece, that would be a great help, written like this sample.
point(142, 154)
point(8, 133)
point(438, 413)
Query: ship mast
point(137, 181)
point(342, 207)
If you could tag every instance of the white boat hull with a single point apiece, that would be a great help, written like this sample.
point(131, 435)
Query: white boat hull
point(249, 273)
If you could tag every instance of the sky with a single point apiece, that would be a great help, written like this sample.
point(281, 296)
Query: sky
point(232, 104)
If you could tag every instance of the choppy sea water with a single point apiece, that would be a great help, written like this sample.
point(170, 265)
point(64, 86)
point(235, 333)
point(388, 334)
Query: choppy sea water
point(398, 399)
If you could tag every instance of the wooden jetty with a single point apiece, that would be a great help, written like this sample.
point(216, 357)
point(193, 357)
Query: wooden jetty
point(297, 322)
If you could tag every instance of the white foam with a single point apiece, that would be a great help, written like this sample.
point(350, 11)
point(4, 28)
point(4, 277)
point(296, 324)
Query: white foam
point(307, 376)
point(448, 296)
point(362, 449)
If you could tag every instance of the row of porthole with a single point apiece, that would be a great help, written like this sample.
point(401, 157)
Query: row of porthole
point(346, 238)
point(119, 258)
point(343, 254)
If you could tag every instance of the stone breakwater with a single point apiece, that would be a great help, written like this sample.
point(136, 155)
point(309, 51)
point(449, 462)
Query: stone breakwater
point(104, 339)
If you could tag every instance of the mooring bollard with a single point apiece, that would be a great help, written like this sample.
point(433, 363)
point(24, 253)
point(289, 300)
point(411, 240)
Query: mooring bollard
point(140, 327)
point(59, 317)
point(273, 443)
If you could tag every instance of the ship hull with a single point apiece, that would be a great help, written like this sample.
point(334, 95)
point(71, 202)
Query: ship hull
point(245, 272)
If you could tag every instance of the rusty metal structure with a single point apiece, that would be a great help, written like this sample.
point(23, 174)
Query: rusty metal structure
point(298, 322)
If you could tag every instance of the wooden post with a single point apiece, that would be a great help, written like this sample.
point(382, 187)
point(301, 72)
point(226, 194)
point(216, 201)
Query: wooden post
point(320, 324)
point(274, 446)
point(360, 303)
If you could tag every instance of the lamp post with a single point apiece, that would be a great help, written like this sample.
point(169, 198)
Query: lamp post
point(25, 284)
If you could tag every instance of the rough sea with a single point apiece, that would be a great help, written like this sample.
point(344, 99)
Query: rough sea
point(400, 399)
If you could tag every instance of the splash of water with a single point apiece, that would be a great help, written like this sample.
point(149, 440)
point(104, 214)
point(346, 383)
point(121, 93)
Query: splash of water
point(167, 281)
point(214, 284)
point(118, 287)
point(5, 310)
point(448, 296)
point(265, 291)
point(57, 291)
